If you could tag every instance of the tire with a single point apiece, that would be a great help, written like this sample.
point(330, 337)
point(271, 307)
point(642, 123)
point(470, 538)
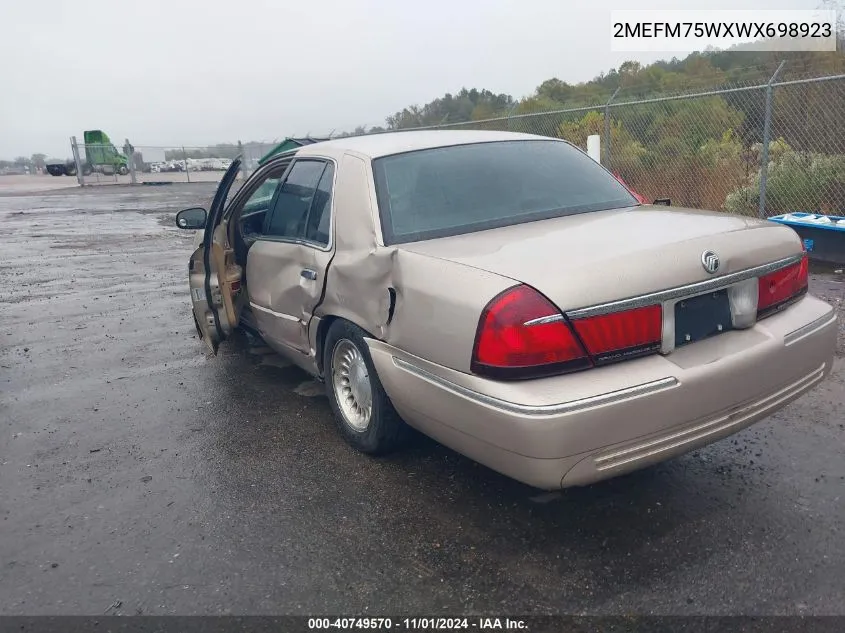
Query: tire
point(87, 170)
point(70, 170)
point(384, 430)
point(123, 170)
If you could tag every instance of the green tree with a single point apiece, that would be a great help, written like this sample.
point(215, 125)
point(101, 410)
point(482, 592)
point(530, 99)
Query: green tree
point(466, 105)
point(556, 90)
point(797, 181)
point(627, 152)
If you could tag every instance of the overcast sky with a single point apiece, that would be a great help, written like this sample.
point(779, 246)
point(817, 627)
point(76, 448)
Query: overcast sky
point(184, 72)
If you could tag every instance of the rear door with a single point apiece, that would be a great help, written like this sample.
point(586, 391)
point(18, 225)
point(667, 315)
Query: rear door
point(287, 263)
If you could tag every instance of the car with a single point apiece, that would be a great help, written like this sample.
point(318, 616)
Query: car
point(507, 296)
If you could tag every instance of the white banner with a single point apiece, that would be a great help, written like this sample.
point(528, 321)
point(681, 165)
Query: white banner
point(687, 31)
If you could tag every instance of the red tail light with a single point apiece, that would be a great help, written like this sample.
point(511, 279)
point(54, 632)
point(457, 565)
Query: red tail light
point(622, 335)
point(778, 289)
point(515, 339)
point(512, 343)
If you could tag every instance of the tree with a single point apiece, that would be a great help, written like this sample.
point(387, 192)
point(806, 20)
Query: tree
point(556, 90)
point(627, 154)
point(805, 181)
point(37, 160)
point(466, 105)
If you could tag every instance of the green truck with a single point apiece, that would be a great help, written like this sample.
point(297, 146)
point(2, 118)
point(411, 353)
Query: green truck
point(100, 155)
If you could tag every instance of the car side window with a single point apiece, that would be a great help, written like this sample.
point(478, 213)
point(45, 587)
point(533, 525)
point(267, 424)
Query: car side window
point(257, 205)
point(289, 214)
point(252, 209)
point(319, 217)
point(260, 199)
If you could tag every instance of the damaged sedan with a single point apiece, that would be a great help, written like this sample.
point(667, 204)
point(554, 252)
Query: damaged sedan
point(506, 295)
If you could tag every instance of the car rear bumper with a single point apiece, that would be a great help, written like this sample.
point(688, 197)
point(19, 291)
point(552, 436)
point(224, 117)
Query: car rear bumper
point(580, 428)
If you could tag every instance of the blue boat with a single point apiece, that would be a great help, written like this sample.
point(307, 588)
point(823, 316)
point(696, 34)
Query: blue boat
point(823, 235)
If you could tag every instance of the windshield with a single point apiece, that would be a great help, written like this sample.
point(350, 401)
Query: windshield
point(464, 188)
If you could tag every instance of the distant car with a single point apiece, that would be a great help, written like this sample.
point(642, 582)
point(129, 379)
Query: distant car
point(12, 171)
point(506, 295)
point(171, 167)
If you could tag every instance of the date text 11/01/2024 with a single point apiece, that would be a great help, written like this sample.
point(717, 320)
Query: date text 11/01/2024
point(421, 624)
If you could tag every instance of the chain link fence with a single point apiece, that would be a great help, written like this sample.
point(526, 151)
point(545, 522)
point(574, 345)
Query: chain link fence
point(706, 149)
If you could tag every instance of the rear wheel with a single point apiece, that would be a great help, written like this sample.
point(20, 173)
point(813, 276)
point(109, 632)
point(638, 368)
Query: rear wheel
point(123, 170)
point(364, 414)
point(70, 170)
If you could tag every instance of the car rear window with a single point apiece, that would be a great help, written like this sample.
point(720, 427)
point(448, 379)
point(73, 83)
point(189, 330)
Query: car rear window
point(459, 189)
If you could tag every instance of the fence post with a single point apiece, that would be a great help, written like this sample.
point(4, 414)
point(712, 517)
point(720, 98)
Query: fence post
point(185, 158)
point(606, 157)
point(510, 114)
point(243, 160)
point(130, 155)
point(74, 147)
point(767, 131)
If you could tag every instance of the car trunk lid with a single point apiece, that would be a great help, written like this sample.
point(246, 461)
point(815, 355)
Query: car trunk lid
point(593, 258)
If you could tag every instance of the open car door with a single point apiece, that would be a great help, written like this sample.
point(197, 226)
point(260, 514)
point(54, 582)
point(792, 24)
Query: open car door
point(215, 279)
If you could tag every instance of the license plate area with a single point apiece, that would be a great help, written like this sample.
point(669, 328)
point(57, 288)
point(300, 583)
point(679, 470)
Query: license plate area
point(698, 318)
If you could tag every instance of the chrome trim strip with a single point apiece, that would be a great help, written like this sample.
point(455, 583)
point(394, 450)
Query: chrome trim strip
point(707, 285)
point(281, 315)
point(712, 426)
point(810, 328)
point(551, 318)
point(572, 406)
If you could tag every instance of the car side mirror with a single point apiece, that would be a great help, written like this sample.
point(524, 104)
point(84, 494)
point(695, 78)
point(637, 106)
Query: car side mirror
point(664, 201)
point(191, 219)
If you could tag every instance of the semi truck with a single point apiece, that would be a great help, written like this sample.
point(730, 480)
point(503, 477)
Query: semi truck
point(100, 155)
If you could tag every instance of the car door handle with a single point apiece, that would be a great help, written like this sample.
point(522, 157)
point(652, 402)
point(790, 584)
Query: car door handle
point(309, 274)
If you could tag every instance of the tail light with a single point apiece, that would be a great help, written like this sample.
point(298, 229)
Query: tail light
point(513, 341)
point(780, 288)
point(622, 335)
point(521, 334)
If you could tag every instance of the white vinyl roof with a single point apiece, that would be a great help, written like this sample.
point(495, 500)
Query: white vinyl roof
point(375, 145)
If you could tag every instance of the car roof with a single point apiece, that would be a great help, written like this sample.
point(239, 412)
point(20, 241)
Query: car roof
point(386, 143)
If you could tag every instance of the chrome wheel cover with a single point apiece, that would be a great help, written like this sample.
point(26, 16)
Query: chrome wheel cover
point(351, 384)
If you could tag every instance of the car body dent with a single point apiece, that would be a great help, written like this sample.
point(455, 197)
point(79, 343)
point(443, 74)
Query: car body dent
point(363, 274)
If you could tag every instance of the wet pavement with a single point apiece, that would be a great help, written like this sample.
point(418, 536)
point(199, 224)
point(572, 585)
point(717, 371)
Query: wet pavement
point(138, 475)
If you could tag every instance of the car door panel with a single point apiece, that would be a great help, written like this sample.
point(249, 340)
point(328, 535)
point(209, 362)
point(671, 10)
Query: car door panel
point(287, 271)
point(211, 278)
point(279, 294)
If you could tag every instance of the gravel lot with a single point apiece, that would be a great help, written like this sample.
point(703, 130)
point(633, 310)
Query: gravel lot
point(138, 475)
point(36, 183)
